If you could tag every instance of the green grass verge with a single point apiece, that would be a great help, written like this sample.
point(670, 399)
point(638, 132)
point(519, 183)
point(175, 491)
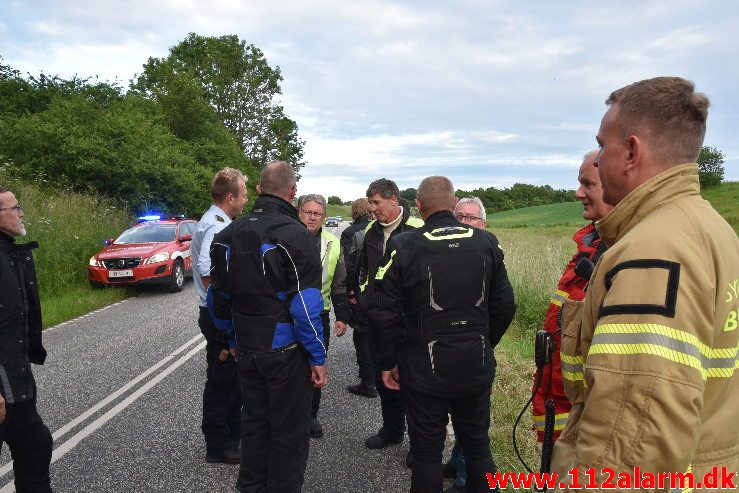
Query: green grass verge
point(78, 301)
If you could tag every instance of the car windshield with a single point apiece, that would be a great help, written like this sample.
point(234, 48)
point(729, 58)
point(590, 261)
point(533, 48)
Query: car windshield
point(150, 233)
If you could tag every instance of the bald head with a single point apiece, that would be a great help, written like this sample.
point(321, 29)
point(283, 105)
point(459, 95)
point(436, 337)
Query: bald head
point(278, 178)
point(435, 193)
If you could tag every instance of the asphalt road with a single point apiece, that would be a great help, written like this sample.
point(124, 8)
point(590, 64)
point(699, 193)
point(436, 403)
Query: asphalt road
point(121, 392)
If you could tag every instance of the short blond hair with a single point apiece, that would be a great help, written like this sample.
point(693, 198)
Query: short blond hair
point(226, 182)
point(670, 113)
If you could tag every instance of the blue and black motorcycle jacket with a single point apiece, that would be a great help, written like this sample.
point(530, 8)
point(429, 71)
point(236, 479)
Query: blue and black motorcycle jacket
point(266, 281)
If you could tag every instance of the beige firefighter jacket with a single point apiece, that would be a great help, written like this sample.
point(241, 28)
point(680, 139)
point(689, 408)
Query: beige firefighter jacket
point(657, 338)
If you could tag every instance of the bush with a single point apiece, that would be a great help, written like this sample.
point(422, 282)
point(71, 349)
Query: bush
point(91, 138)
point(710, 167)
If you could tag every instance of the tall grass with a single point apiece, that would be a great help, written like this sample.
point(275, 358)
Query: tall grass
point(69, 227)
point(535, 259)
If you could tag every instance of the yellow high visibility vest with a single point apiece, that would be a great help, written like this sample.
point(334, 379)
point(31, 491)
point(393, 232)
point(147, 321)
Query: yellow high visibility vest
point(330, 253)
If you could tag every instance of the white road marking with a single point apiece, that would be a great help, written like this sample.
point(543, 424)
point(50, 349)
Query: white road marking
point(89, 429)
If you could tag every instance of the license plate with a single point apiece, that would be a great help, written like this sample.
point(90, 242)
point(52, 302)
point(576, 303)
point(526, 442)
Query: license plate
point(120, 273)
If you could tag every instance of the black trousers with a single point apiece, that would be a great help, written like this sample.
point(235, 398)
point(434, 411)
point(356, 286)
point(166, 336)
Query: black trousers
point(427, 419)
point(275, 420)
point(361, 338)
point(392, 405)
point(30, 446)
point(326, 321)
point(222, 396)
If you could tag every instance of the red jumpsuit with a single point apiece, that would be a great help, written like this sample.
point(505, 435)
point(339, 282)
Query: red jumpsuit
point(570, 286)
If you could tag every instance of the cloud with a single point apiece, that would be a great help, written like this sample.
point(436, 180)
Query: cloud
point(490, 92)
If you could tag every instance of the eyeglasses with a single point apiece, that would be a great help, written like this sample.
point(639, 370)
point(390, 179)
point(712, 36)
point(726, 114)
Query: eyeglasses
point(466, 219)
point(17, 208)
point(312, 214)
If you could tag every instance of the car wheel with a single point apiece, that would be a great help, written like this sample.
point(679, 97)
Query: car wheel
point(178, 277)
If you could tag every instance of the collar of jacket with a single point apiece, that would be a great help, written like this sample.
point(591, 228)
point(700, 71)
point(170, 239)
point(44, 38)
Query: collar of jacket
point(7, 243)
point(585, 236)
point(670, 185)
point(272, 203)
point(441, 218)
point(406, 214)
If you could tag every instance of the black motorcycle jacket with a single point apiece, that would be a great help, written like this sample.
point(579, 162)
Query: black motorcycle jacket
point(441, 304)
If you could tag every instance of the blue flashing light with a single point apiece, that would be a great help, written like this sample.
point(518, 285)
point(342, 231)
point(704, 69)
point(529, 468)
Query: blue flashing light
point(149, 217)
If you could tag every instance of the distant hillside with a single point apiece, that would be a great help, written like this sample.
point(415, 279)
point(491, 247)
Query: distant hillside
point(339, 210)
point(723, 198)
point(565, 213)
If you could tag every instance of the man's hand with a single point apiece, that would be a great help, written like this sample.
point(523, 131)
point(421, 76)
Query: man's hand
point(352, 298)
point(319, 376)
point(339, 328)
point(206, 281)
point(2, 409)
point(234, 351)
point(391, 379)
point(223, 355)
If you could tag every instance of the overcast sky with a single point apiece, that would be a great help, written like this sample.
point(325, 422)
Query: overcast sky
point(489, 93)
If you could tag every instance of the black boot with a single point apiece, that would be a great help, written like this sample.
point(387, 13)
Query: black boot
point(366, 388)
point(316, 430)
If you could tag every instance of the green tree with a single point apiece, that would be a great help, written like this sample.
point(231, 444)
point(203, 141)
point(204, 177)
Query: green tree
point(710, 167)
point(409, 194)
point(240, 85)
point(86, 135)
point(334, 200)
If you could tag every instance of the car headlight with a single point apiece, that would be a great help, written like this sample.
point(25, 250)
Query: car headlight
point(159, 257)
point(95, 263)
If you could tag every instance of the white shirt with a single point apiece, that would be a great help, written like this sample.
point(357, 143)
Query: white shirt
point(212, 222)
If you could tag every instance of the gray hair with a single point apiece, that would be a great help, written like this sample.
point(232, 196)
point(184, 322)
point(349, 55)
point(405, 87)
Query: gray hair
point(472, 200)
point(312, 197)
